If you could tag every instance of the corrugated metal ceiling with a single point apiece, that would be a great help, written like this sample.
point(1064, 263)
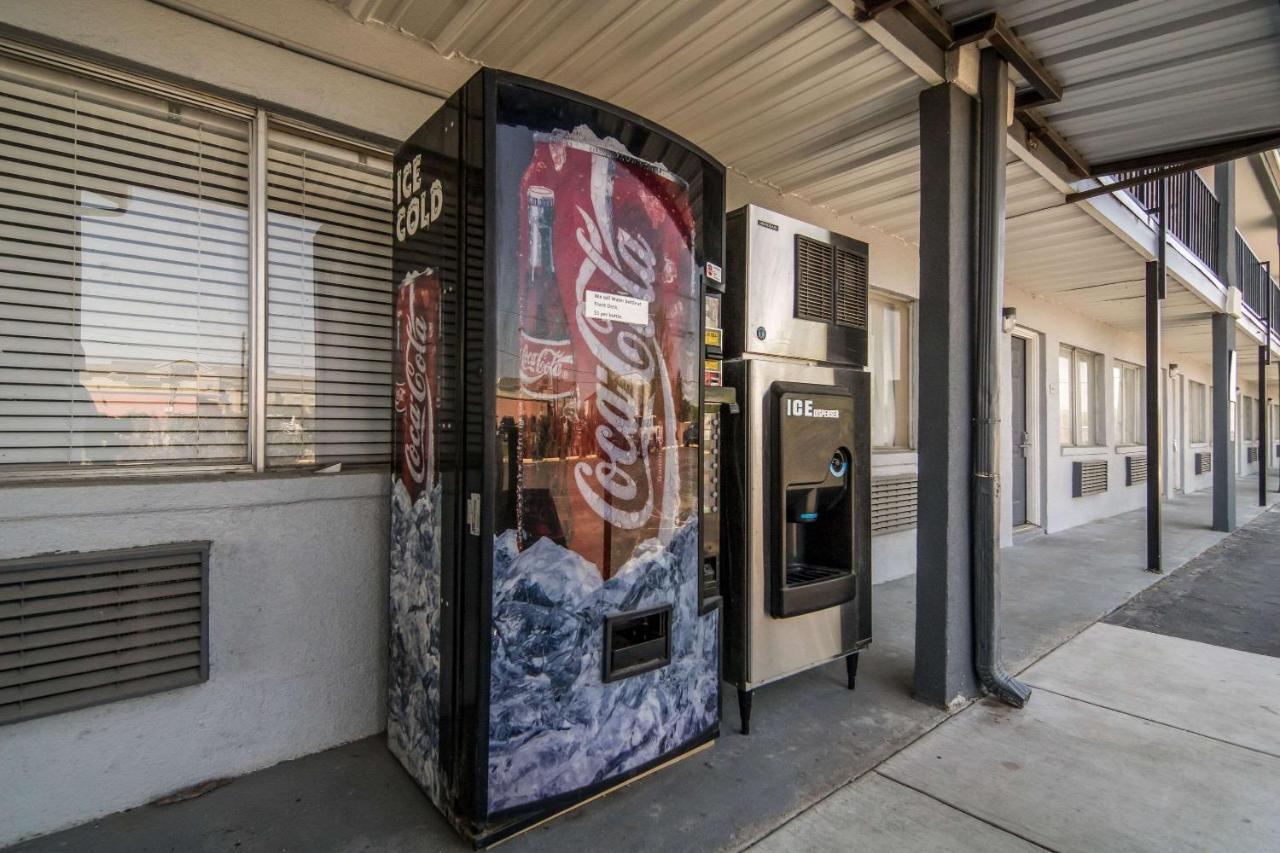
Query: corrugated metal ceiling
point(1146, 75)
point(797, 96)
point(792, 94)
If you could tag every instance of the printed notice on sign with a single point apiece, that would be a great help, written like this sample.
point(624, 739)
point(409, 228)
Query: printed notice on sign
point(616, 307)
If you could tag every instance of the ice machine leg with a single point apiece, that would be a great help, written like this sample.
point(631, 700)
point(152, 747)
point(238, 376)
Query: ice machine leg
point(744, 710)
point(851, 669)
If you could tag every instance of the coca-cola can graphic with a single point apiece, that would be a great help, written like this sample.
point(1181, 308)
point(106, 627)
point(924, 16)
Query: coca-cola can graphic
point(416, 382)
point(607, 314)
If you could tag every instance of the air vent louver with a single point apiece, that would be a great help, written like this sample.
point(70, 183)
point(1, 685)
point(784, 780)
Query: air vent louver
point(893, 503)
point(815, 268)
point(1135, 469)
point(1251, 455)
point(851, 289)
point(81, 629)
point(1088, 478)
point(1204, 462)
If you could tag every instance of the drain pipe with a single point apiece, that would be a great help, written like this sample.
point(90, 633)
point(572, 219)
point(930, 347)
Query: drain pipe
point(988, 304)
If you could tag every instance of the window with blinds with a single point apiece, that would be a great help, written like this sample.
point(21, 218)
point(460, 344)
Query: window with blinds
point(124, 276)
point(329, 303)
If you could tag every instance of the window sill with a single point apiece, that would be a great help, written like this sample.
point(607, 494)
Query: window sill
point(1086, 450)
point(172, 475)
point(1125, 449)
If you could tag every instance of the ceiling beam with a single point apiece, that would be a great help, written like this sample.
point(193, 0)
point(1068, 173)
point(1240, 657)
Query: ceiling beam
point(993, 29)
point(1213, 152)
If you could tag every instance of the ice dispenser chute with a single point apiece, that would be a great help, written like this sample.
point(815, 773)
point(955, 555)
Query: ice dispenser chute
point(812, 561)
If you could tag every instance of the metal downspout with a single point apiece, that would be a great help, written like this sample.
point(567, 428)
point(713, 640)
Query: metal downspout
point(988, 302)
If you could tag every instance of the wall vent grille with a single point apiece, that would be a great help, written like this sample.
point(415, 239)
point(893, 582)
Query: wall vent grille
point(1135, 470)
point(851, 289)
point(1204, 462)
point(1251, 455)
point(86, 628)
point(815, 269)
point(1088, 478)
point(893, 503)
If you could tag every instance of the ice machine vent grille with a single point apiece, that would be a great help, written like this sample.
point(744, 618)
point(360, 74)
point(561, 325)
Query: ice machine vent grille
point(893, 503)
point(815, 266)
point(851, 289)
point(81, 629)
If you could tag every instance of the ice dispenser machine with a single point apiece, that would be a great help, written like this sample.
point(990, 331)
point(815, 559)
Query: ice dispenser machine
point(796, 537)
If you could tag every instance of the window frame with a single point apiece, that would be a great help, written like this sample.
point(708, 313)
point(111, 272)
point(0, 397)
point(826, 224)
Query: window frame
point(907, 307)
point(1198, 429)
point(1129, 434)
point(1097, 396)
point(123, 83)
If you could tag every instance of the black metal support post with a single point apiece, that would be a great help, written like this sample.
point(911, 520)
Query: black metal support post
point(1156, 273)
point(987, 310)
point(1224, 352)
point(1264, 358)
point(944, 667)
point(1224, 359)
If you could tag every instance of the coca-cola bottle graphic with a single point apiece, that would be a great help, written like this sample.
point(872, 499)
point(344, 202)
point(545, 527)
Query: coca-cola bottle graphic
point(546, 353)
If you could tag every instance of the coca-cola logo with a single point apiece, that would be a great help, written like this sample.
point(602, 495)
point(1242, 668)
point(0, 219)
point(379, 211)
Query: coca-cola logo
point(619, 485)
point(546, 362)
point(413, 396)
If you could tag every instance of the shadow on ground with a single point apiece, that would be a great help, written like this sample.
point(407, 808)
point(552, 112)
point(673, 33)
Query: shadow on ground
point(809, 735)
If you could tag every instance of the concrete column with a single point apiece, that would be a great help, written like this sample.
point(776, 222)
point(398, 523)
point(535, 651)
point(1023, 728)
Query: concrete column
point(1224, 189)
point(944, 667)
point(1224, 486)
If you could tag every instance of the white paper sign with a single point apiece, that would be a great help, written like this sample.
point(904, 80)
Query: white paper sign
point(616, 307)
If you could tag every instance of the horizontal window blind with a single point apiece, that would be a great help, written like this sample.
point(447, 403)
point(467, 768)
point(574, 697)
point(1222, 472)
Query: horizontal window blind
point(124, 276)
point(329, 303)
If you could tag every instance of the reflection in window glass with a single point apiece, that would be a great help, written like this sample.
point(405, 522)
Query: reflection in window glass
point(1128, 393)
point(1079, 384)
point(890, 345)
point(1197, 406)
point(1084, 398)
point(1065, 434)
point(329, 321)
point(597, 419)
point(125, 276)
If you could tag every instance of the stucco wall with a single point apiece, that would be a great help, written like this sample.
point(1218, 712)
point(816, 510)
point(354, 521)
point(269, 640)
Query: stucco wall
point(297, 627)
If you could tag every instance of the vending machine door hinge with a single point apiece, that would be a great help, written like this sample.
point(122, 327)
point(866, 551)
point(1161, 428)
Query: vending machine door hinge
point(473, 513)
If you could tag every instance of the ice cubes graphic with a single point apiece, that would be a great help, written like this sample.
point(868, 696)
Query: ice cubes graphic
point(555, 726)
point(413, 702)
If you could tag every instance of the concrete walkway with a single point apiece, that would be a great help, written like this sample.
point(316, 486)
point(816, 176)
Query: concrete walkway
point(1139, 738)
point(810, 739)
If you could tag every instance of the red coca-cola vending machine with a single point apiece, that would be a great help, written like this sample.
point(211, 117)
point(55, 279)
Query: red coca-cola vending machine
point(553, 633)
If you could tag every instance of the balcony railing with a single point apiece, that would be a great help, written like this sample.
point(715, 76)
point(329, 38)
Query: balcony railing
point(1254, 280)
point(1193, 219)
point(1193, 213)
